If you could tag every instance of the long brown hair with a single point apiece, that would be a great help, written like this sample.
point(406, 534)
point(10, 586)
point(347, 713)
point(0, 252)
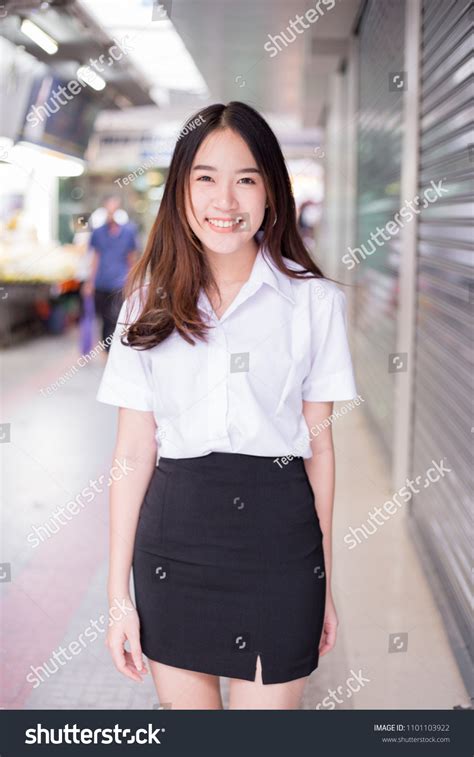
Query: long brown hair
point(173, 264)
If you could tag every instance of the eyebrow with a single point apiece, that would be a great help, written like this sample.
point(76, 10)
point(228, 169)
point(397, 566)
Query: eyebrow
point(213, 168)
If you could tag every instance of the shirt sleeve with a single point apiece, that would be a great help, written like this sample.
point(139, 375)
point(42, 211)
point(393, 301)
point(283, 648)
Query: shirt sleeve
point(330, 377)
point(127, 378)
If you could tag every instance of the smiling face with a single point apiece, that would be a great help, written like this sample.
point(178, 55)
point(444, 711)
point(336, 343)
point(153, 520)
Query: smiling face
point(226, 192)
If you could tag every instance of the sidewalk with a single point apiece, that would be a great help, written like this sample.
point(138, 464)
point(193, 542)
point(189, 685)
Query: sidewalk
point(58, 443)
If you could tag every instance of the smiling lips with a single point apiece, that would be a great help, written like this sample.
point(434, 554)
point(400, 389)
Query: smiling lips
point(223, 225)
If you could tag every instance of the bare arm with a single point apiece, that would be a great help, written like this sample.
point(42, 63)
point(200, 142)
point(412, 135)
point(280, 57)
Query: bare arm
point(136, 450)
point(132, 258)
point(135, 446)
point(320, 469)
point(89, 285)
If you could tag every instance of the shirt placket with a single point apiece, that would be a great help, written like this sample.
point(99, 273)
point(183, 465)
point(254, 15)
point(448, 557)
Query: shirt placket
point(217, 377)
point(218, 366)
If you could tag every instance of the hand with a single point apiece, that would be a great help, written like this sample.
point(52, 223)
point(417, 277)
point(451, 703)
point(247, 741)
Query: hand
point(87, 289)
point(328, 636)
point(130, 664)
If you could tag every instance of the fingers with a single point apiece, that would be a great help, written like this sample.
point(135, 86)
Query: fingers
point(131, 668)
point(136, 653)
point(328, 639)
point(123, 660)
point(324, 649)
point(118, 657)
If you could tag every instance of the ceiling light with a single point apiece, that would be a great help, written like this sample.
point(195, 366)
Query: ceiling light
point(43, 40)
point(32, 157)
point(156, 49)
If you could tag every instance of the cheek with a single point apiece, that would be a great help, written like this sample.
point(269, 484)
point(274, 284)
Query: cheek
point(194, 202)
point(258, 201)
point(258, 207)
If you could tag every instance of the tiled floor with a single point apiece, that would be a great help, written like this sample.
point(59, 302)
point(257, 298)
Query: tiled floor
point(63, 438)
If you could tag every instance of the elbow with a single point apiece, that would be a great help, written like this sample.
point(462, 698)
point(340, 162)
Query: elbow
point(137, 452)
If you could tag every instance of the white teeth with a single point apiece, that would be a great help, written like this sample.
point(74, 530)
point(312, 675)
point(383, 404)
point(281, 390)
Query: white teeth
point(224, 224)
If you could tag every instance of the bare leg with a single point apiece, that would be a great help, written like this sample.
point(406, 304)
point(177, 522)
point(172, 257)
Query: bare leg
point(185, 689)
point(254, 695)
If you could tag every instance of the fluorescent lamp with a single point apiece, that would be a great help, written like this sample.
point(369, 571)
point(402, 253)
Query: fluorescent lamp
point(32, 157)
point(90, 77)
point(156, 48)
point(43, 40)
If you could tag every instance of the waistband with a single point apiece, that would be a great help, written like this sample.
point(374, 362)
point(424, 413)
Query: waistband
point(226, 466)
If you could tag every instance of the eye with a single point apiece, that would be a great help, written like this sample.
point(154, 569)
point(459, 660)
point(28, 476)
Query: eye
point(204, 178)
point(247, 179)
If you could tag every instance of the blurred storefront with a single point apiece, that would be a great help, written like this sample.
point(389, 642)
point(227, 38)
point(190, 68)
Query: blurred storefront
point(400, 109)
point(443, 355)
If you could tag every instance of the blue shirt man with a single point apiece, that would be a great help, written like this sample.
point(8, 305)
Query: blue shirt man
point(114, 247)
point(113, 244)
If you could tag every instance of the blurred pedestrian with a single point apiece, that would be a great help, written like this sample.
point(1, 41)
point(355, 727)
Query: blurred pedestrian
point(114, 248)
point(308, 218)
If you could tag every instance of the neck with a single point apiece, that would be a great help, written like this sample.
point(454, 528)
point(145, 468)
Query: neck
point(113, 226)
point(234, 267)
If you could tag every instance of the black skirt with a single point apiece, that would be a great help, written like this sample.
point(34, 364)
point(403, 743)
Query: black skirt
point(228, 564)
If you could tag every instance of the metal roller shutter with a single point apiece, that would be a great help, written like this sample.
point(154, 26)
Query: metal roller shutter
point(381, 54)
point(443, 391)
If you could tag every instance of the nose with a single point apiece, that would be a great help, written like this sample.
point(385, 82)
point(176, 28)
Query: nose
point(224, 198)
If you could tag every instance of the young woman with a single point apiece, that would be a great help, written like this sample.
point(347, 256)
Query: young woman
point(229, 351)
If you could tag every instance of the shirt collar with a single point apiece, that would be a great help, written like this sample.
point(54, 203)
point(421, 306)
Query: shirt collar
point(264, 271)
point(268, 273)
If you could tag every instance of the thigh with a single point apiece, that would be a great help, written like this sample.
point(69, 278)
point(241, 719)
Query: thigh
point(180, 689)
point(255, 695)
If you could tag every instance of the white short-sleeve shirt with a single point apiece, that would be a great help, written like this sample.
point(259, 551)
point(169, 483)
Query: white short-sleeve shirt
point(281, 341)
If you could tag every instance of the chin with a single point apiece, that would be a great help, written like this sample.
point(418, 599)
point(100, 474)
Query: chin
point(226, 244)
